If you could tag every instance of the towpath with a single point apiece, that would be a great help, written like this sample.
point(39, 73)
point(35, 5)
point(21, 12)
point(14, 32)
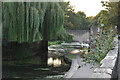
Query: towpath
point(79, 69)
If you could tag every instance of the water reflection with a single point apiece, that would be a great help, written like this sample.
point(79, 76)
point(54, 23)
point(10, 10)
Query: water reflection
point(55, 62)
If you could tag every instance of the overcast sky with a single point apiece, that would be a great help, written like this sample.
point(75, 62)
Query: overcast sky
point(90, 7)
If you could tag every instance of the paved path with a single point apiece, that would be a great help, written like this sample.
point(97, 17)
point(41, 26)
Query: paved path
point(80, 69)
point(84, 71)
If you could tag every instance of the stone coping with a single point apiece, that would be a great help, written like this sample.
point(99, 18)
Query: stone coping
point(107, 64)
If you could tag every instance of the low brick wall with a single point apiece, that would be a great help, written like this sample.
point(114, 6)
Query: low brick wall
point(108, 63)
point(79, 35)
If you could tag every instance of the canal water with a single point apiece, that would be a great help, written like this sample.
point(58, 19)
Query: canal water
point(55, 70)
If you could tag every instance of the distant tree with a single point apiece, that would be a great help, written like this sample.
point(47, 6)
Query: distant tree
point(68, 11)
point(75, 20)
point(82, 14)
point(110, 15)
point(102, 18)
point(83, 20)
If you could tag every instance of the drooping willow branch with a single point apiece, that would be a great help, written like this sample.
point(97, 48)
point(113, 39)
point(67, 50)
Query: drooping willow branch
point(32, 21)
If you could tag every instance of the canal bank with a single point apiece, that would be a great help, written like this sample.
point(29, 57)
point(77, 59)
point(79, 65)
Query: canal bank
point(29, 71)
point(79, 68)
point(106, 69)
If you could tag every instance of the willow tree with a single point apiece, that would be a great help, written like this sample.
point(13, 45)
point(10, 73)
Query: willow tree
point(33, 22)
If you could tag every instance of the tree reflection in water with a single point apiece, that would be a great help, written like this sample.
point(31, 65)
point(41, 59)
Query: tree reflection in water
point(55, 62)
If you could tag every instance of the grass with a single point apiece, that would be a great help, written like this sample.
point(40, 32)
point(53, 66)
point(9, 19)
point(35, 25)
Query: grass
point(71, 56)
point(53, 43)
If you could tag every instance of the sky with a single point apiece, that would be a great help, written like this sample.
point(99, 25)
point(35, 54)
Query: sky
point(90, 7)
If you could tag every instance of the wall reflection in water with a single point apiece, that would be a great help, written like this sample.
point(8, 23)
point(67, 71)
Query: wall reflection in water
point(55, 62)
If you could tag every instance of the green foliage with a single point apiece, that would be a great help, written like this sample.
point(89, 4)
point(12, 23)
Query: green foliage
point(108, 17)
point(75, 20)
point(101, 45)
point(82, 14)
point(102, 18)
point(70, 56)
point(62, 35)
point(22, 21)
point(53, 43)
point(53, 22)
point(68, 38)
point(32, 21)
point(68, 8)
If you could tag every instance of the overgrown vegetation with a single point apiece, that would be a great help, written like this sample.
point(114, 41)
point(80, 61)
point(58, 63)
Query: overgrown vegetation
point(104, 40)
point(101, 45)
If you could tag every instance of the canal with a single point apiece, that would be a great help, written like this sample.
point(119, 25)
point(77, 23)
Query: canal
point(55, 70)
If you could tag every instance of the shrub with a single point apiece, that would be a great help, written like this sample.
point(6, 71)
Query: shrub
point(101, 45)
